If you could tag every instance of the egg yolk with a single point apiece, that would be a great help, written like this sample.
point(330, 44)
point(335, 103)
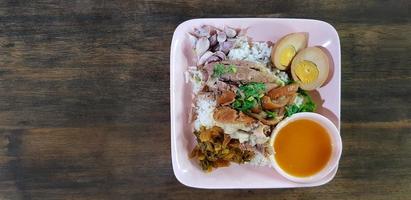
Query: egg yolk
point(287, 55)
point(306, 71)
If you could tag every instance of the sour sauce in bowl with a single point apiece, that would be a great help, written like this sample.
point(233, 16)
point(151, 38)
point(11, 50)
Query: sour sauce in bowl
point(302, 148)
point(305, 147)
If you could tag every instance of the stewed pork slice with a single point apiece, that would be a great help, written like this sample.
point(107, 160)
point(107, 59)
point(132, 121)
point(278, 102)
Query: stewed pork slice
point(240, 71)
point(262, 117)
point(279, 97)
point(226, 97)
point(240, 126)
point(283, 91)
point(228, 115)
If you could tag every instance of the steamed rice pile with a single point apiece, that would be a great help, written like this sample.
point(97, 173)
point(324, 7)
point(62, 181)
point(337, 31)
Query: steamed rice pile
point(256, 52)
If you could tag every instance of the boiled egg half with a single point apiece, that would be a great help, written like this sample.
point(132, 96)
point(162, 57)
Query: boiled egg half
point(286, 48)
point(310, 67)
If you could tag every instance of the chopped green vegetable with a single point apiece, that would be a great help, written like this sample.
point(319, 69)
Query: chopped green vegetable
point(307, 106)
point(221, 69)
point(289, 82)
point(248, 96)
point(291, 109)
point(302, 92)
point(232, 69)
point(236, 104)
point(270, 114)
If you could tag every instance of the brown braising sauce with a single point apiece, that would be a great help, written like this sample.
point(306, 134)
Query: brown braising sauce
point(302, 148)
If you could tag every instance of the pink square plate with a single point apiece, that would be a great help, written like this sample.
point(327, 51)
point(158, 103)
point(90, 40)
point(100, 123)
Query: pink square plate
point(327, 97)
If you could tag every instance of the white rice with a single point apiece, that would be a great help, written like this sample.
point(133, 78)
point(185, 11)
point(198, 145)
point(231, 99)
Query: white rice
point(241, 49)
point(257, 52)
point(259, 159)
point(260, 52)
point(283, 76)
point(205, 106)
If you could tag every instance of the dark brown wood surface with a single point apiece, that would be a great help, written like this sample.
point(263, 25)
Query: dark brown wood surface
point(84, 98)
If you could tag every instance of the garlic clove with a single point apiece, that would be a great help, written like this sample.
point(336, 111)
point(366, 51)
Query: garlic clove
point(230, 32)
point(220, 54)
point(202, 46)
point(204, 57)
point(213, 40)
point(221, 37)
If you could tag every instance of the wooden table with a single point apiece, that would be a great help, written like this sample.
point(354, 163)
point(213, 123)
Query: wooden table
point(84, 98)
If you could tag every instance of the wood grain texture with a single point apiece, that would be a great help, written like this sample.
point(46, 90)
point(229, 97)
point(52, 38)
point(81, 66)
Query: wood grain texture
point(84, 104)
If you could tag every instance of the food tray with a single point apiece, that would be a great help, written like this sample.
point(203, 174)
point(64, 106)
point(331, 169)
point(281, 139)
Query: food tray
point(327, 99)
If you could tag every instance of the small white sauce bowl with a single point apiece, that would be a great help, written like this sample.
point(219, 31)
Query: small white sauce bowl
point(336, 146)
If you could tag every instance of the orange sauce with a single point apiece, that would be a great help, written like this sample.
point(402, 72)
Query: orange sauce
point(302, 148)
